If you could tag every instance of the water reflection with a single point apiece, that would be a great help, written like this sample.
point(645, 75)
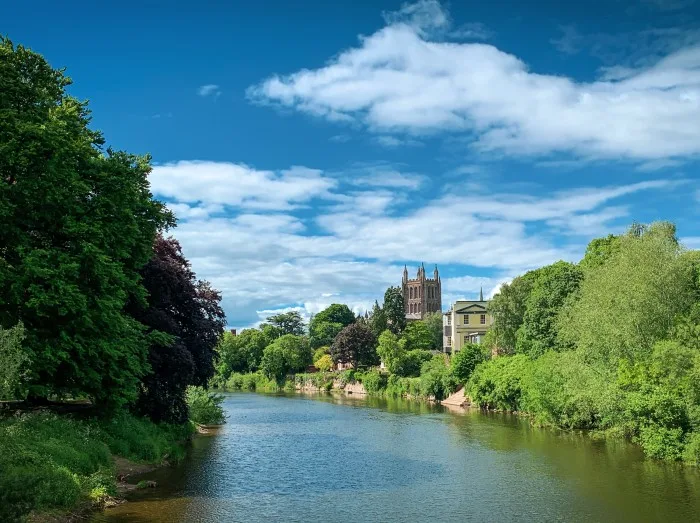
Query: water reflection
point(341, 458)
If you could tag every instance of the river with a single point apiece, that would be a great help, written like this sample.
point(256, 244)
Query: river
point(340, 458)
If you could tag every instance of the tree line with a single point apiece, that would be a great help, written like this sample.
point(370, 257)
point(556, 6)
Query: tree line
point(611, 343)
point(95, 300)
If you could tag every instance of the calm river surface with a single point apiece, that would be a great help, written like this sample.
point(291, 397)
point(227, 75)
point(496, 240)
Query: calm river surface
point(337, 458)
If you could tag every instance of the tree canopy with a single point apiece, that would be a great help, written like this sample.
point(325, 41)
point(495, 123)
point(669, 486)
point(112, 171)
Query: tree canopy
point(288, 323)
point(325, 326)
point(76, 226)
point(355, 344)
point(394, 310)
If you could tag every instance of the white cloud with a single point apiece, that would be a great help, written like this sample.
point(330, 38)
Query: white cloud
point(402, 79)
point(691, 242)
point(238, 185)
point(393, 141)
point(339, 138)
point(209, 90)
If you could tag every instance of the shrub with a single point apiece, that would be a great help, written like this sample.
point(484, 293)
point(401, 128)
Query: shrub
point(661, 442)
point(410, 363)
point(433, 375)
point(497, 383)
point(205, 407)
point(324, 363)
point(465, 361)
point(373, 381)
point(12, 359)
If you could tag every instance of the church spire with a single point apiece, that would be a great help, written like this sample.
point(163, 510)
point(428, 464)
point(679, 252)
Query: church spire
point(481, 294)
point(435, 273)
point(405, 273)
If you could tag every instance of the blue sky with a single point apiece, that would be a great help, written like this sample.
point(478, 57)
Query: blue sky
point(310, 149)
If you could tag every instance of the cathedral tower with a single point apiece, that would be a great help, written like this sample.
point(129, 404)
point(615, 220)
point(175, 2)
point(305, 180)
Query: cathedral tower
point(421, 295)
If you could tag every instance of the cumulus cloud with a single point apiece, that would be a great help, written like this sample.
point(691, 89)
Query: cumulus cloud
point(403, 79)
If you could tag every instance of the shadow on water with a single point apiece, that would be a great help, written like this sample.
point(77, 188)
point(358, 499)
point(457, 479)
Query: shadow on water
point(328, 457)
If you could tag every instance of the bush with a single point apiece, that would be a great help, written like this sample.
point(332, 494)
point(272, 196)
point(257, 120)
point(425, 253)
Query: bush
point(661, 442)
point(465, 361)
point(324, 363)
point(410, 363)
point(433, 377)
point(205, 407)
point(497, 383)
point(373, 381)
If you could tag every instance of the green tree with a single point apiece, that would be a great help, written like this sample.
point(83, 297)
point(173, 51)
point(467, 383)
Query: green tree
point(632, 301)
point(411, 362)
point(288, 323)
point(418, 335)
point(433, 322)
point(241, 353)
point(324, 363)
point(325, 326)
point(320, 353)
point(551, 288)
point(12, 361)
point(464, 362)
point(394, 310)
point(377, 320)
point(390, 350)
point(76, 225)
point(599, 251)
point(271, 332)
point(288, 353)
point(507, 308)
point(356, 345)
point(323, 333)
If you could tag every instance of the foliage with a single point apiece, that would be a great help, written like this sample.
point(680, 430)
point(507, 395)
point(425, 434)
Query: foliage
point(373, 381)
point(433, 322)
point(253, 382)
point(325, 326)
point(356, 345)
point(411, 362)
point(377, 320)
point(76, 225)
point(270, 332)
point(498, 383)
point(323, 333)
point(390, 351)
point(12, 361)
point(551, 287)
point(464, 361)
point(324, 363)
point(434, 378)
point(394, 310)
point(241, 353)
point(185, 322)
point(288, 323)
point(632, 300)
point(205, 407)
point(286, 354)
point(508, 308)
point(418, 335)
point(320, 353)
point(599, 251)
point(55, 462)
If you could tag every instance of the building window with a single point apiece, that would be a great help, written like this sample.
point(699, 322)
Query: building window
point(449, 320)
point(449, 341)
point(466, 319)
point(482, 320)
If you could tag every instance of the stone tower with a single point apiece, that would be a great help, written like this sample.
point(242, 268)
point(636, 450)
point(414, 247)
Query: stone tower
point(421, 295)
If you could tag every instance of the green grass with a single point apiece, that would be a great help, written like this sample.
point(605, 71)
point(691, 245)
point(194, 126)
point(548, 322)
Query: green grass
point(50, 462)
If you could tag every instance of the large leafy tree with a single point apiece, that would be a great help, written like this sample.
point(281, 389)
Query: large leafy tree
point(240, 353)
point(356, 345)
point(286, 354)
point(185, 322)
point(12, 360)
point(633, 299)
point(551, 288)
point(377, 320)
point(288, 323)
point(325, 326)
point(394, 310)
point(76, 225)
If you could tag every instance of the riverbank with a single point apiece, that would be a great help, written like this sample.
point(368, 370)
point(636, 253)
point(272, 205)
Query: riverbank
point(57, 467)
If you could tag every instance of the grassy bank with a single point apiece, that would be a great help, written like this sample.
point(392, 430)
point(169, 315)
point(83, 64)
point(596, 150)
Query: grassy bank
point(375, 383)
point(54, 464)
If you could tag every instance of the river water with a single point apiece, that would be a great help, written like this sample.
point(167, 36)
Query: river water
point(340, 458)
